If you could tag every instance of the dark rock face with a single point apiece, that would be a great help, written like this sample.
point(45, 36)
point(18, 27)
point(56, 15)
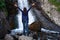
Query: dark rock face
point(12, 12)
point(4, 25)
point(10, 7)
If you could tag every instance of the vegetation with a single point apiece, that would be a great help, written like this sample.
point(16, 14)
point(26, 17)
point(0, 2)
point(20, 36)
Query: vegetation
point(3, 6)
point(56, 3)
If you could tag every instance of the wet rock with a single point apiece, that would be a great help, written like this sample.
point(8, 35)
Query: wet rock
point(8, 37)
point(4, 25)
point(25, 38)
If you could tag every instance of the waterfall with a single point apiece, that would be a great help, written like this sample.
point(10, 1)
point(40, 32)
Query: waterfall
point(21, 5)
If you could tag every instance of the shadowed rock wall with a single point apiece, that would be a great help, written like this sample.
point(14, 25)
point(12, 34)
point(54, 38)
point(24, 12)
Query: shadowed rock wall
point(12, 12)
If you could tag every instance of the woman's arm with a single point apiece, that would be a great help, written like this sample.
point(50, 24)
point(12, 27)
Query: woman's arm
point(31, 6)
point(17, 7)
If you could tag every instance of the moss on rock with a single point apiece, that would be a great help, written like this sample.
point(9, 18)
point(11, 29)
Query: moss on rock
point(56, 3)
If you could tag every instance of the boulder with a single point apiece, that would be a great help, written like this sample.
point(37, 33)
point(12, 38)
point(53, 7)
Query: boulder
point(35, 26)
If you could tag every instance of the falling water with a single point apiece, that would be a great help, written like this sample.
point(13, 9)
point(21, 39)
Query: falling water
point(21, 5)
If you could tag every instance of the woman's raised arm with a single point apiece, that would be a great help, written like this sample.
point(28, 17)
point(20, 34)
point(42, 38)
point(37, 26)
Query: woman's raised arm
point(17, 7)
point(31, 6)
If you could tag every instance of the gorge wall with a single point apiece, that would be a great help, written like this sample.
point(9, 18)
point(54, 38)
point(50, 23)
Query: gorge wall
point(51, 11)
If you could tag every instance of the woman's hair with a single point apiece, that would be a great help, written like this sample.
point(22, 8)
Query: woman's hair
point(24, 9)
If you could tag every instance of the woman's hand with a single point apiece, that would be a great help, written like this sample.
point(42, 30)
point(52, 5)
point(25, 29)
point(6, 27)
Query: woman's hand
point(15, 5)
point(33, 5)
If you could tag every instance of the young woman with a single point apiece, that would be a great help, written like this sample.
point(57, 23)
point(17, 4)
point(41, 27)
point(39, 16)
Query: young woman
point(25, 18)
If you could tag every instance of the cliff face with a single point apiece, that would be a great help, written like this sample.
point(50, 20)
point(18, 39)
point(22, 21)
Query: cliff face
point(7, 21)
point(12, 12)
point(4, 25)
point(49, 9)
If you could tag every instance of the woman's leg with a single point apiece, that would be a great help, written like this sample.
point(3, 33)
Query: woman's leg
point(27, 28)
point(23, 28)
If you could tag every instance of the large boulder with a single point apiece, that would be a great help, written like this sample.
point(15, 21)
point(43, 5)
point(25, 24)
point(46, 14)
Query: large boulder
point(36, 26)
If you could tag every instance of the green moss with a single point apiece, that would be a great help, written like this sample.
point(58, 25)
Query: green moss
point(56, 3)
point(3, 6)
point(58, 9)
